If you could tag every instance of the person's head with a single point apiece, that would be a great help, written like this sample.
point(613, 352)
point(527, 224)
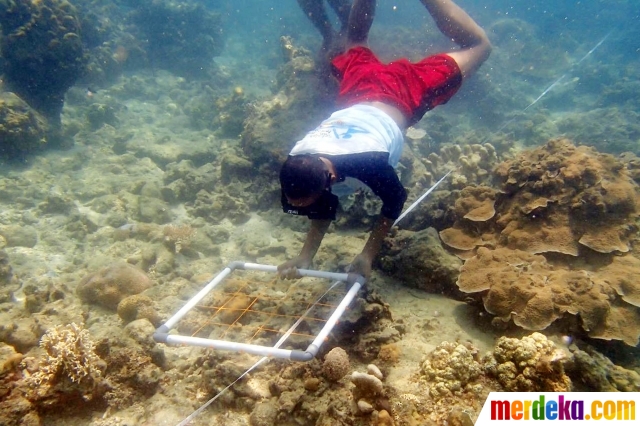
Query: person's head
point(303, 178)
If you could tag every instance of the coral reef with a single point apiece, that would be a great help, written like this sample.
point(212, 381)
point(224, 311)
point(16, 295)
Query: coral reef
point(217, 206)
point(6, 275)
point(471, 164)
point(137, 307)
point(611, 130)
point(450, 368)
point(178, 237)
point(42, 51)
point(22, 129)
point(64, 374)
point(111, 284)
point(595, 372)
point(366, 385)
point(272, 126)
point(369, 396)
point(557, 198)
point(133, 376)
point(585, 197)
point(111, 46)
point(530, 364)
point(224, 112)
point(458, 379)
point(454, 384)
point(367, 326)
point(100, 114)
point(202, 187)
point(533, 293)
point(554, 200)
point(183, 180)
point(71, 371)
point(419, 260)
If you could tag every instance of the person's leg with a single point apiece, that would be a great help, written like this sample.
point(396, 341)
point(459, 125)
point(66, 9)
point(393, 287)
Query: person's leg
point(342, 9)
point(456, 24)
point(315, 11)
point(360, 21)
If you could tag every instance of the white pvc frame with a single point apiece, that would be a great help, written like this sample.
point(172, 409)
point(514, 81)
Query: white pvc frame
point(162, 335)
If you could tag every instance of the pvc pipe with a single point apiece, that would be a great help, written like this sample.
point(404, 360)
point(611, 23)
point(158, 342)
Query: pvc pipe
point(312, 350)
point(302, 272)
point(333, 319)
point(229, 346)
point(197, 298)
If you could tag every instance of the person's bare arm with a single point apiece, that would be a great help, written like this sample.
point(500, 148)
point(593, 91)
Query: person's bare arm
point(362, 263)
point(455, 23)
point(316, 232)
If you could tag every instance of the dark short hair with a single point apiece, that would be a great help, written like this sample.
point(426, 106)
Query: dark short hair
point(302, 176)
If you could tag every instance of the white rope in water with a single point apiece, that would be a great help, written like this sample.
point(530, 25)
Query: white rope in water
point(284, 337)
point(555, 83)
point(419, 200)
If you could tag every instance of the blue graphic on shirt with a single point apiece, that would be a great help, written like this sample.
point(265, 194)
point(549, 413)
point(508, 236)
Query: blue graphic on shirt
point(345, 132)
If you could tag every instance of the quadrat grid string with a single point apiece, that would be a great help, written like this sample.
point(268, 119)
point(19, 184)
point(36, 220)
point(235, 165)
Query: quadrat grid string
point(251, 307)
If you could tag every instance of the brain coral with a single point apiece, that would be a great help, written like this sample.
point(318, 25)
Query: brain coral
point(530, 364)
point(111, 284)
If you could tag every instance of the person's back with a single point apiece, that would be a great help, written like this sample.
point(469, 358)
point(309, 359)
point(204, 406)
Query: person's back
point(363, 140)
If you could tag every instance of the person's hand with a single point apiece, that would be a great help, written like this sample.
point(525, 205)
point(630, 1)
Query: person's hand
point(289, 269)
point(361, 265)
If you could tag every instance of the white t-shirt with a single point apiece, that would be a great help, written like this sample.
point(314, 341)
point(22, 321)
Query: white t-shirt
point(354, 130)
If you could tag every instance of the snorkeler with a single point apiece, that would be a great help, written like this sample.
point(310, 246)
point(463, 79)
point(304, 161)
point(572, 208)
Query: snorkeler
point(364, 140)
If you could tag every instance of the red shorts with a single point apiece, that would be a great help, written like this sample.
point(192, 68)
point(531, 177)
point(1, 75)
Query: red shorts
point(412, 88)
